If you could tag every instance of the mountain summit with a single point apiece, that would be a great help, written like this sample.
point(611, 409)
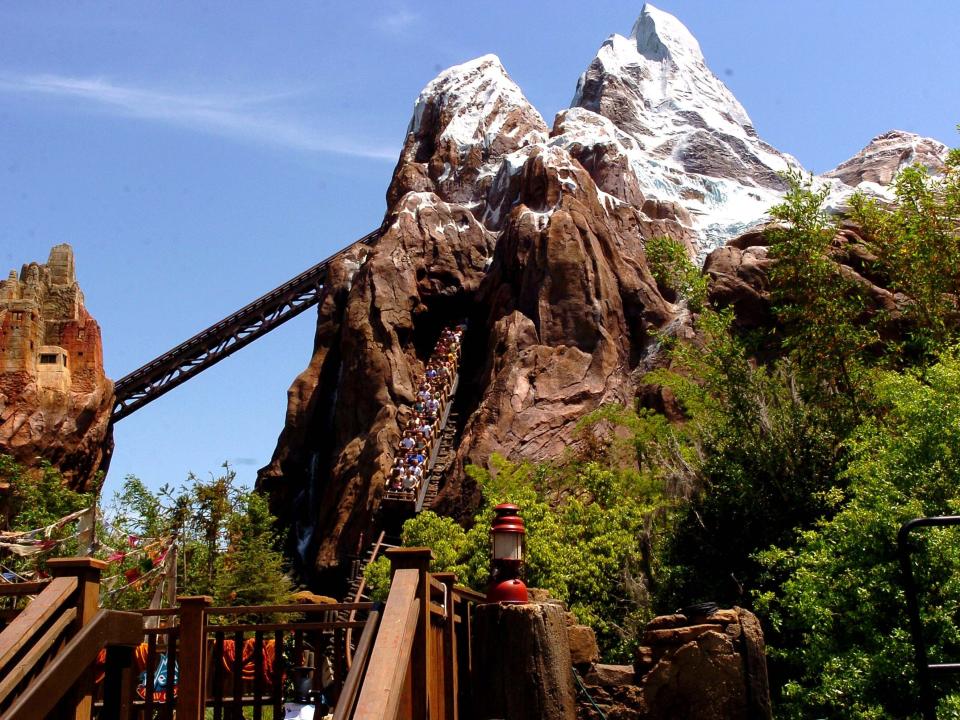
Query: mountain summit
point(537, 236)
point(695, 143)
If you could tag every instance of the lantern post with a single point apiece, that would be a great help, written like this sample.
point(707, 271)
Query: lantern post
point(507, 535)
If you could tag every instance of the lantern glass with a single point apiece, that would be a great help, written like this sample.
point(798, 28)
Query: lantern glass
point(507, 546)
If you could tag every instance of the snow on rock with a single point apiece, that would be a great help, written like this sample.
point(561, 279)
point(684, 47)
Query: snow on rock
point(872, 170)
point(692, 141)
point(464, 122)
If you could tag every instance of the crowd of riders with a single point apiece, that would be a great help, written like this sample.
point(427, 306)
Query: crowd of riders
point(422, 426)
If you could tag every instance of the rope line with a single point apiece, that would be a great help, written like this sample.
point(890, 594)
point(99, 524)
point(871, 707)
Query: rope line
point(583, 689)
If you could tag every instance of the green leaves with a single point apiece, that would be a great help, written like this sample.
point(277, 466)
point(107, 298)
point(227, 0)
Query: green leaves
point(225, 538)
point(841, 601)
point(820, 307)
point(671, 267)
point(586, 529)
point(917, 246)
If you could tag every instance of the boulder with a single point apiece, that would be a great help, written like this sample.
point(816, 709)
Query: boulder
point(583, 645)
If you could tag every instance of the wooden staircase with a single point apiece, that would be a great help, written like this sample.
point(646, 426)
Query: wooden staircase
point(445, 455)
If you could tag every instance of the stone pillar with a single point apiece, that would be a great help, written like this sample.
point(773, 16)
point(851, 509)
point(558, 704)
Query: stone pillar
point(522, 667)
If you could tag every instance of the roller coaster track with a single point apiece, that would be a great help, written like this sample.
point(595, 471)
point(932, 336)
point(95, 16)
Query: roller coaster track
point(210, 346)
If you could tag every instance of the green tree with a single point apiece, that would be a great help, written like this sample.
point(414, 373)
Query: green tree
point(671, 267)
point(752, 459)
point(916, 242)
point(840, 609)
point(584, 525)
point(38, 497)
point(226, 543)
point(821, 310)
point(251, 571)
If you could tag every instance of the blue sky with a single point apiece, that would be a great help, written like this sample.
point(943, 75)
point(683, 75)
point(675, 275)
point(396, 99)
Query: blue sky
point(197, 154)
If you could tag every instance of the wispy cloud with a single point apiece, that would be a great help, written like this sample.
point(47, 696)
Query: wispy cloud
point(397, 21)
point(245, 117)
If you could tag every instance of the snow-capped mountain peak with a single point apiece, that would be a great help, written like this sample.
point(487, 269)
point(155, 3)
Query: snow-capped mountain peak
point(659, 35)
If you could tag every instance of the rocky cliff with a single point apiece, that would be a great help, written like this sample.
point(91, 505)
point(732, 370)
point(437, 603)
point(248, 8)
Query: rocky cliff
point(535, 235)
point(55, 400)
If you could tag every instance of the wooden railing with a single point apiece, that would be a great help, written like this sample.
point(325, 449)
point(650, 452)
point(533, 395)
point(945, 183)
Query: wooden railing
point(61, 656)
point(115, 631)
point(12, 594)
point(233, 662)
point(48, 647)
point(419, 666)
point(356, 597)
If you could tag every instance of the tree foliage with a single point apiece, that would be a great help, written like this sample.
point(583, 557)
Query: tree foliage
point(226, 543)
point(841, 604)
point(224, 535)
point(585, 524)
point(917, 246)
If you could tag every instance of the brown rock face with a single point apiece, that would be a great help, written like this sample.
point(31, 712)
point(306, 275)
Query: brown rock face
point(740, 277)
point(55, 401)
point(702, 668)
point(886, 155)
point(492, 222)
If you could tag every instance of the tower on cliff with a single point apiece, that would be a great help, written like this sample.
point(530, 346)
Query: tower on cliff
point(46, 335)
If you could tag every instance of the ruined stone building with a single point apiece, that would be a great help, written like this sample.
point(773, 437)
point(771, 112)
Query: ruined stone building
point(46, 333)
point(55, 400)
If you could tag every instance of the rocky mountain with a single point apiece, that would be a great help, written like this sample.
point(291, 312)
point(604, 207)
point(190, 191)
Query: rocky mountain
point(535, 235)
point(55, 401)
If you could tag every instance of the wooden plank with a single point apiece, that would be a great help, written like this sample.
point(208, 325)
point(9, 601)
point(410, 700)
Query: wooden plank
point(117, 684)
point(351, 685)
point(35, 653)
point(468, 594)
point(108, 628)
point(278, 670)
point(236, 710)
point(272, 627)
point(257, 675)
point(87, 571)
point(151, 671)
point(22, 628)
point(34, 587)
point(293, 609)
point(390, 658)
point(193, 645)
point(157, 612)
point(218, 676)
point(171, 664)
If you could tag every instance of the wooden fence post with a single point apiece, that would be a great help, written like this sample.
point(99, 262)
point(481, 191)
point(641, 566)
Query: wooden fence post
point(87, 571)
point(191, 695)
point(451, 671)
point(419, 559)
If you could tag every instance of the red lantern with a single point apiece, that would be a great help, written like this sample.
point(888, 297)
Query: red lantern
point(507, 534)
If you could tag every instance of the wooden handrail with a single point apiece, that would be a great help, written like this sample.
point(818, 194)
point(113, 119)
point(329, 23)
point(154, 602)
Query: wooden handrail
point(33, 587)
point(108, 628)
point(351, 685)
point(264, 609)
point(390, 659)
point(35, 653)
point(468, 594)
point(24, 626)
point(359, 594)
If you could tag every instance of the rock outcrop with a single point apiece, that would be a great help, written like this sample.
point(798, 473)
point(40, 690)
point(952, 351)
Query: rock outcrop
point(55, 401)
point(535, 235)
point(880, 161)
point(707, 667)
